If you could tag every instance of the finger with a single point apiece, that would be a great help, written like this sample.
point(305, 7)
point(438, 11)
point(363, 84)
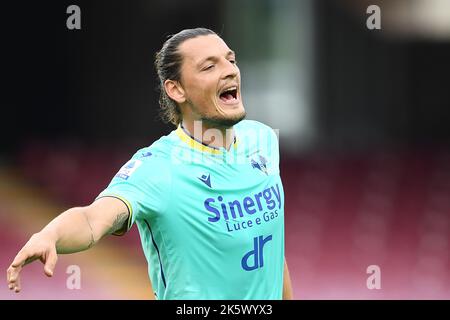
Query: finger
point(17, 286)
point(50, 262)
point(20, 259)
point(14, 270)
point(13, 273)
point(8, 279)
point(13, 278)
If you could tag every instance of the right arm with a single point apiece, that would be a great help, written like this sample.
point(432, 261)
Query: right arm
point(74, 230)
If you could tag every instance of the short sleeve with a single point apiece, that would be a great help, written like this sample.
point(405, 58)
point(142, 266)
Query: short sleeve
point(142, 183)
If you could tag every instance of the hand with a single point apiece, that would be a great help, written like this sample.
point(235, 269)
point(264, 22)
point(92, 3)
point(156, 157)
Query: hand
point(40, 246)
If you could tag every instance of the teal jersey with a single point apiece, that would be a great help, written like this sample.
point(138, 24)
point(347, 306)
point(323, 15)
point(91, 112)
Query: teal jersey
point(211, 220)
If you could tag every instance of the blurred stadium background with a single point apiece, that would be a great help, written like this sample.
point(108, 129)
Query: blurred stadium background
point(363, 118)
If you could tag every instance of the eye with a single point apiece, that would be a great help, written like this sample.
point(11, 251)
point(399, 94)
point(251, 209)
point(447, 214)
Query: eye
point(209, 67)
point(233, 61)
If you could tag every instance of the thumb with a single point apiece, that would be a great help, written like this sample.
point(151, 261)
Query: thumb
point(50, 262)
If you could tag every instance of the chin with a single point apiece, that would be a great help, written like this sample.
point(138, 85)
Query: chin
point(227, 120)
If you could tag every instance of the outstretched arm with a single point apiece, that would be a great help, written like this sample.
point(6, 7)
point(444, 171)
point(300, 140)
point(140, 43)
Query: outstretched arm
point(287, 286)
point(74, 230)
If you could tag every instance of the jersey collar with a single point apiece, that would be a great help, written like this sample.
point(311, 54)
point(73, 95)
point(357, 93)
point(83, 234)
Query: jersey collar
point(185, 136)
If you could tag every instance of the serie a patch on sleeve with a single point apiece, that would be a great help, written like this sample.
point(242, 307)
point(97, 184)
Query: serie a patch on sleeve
point(128, 169)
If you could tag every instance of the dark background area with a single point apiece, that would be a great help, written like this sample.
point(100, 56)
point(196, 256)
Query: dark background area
point(98, 84)
point(378, 91)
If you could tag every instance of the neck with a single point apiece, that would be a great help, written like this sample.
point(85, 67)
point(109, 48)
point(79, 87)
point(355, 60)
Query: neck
point(212, 136)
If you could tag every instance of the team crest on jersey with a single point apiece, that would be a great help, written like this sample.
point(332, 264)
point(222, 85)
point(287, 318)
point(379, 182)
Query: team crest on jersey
point(260, 164)
point(128, 168)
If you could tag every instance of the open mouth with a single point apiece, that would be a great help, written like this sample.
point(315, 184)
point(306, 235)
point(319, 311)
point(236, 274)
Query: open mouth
point(229, 95)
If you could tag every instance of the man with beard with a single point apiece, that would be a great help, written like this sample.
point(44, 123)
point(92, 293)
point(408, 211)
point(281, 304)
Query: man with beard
point(207, 198)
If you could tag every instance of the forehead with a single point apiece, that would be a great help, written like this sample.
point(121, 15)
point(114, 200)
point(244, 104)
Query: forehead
point(199, 48)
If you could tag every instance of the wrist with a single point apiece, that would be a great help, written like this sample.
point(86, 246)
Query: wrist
point(48, 234)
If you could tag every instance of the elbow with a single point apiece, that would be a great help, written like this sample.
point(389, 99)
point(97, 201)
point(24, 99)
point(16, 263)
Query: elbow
point(95, 233)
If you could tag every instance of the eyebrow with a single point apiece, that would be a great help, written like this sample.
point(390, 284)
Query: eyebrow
point(214, 58)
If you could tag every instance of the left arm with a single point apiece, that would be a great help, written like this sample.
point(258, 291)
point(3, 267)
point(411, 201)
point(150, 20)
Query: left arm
point(287, 286)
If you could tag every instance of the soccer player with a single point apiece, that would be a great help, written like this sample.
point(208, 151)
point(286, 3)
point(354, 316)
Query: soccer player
point(207, 198)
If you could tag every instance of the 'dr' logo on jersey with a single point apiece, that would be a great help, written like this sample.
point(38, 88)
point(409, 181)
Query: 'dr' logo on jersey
point(260, 164)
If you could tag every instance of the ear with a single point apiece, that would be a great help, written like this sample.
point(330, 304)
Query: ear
point(175, 91)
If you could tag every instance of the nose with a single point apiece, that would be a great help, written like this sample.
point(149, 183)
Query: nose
point(230, 70)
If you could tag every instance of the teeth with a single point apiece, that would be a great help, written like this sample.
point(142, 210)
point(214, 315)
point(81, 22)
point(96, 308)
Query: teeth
point(229, 89)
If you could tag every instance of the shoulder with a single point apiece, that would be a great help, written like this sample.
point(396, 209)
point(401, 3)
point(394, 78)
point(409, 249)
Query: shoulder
point(151, 161)
point(158, 151)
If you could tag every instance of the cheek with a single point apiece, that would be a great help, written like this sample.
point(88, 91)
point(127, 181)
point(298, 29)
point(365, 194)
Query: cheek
point(202, 93)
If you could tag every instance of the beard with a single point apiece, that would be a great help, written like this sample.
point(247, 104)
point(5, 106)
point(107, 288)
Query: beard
point(218, 121)
point(223, 122)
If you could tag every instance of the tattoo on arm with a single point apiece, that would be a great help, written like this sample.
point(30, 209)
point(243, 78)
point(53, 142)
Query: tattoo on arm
point(119, 222)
